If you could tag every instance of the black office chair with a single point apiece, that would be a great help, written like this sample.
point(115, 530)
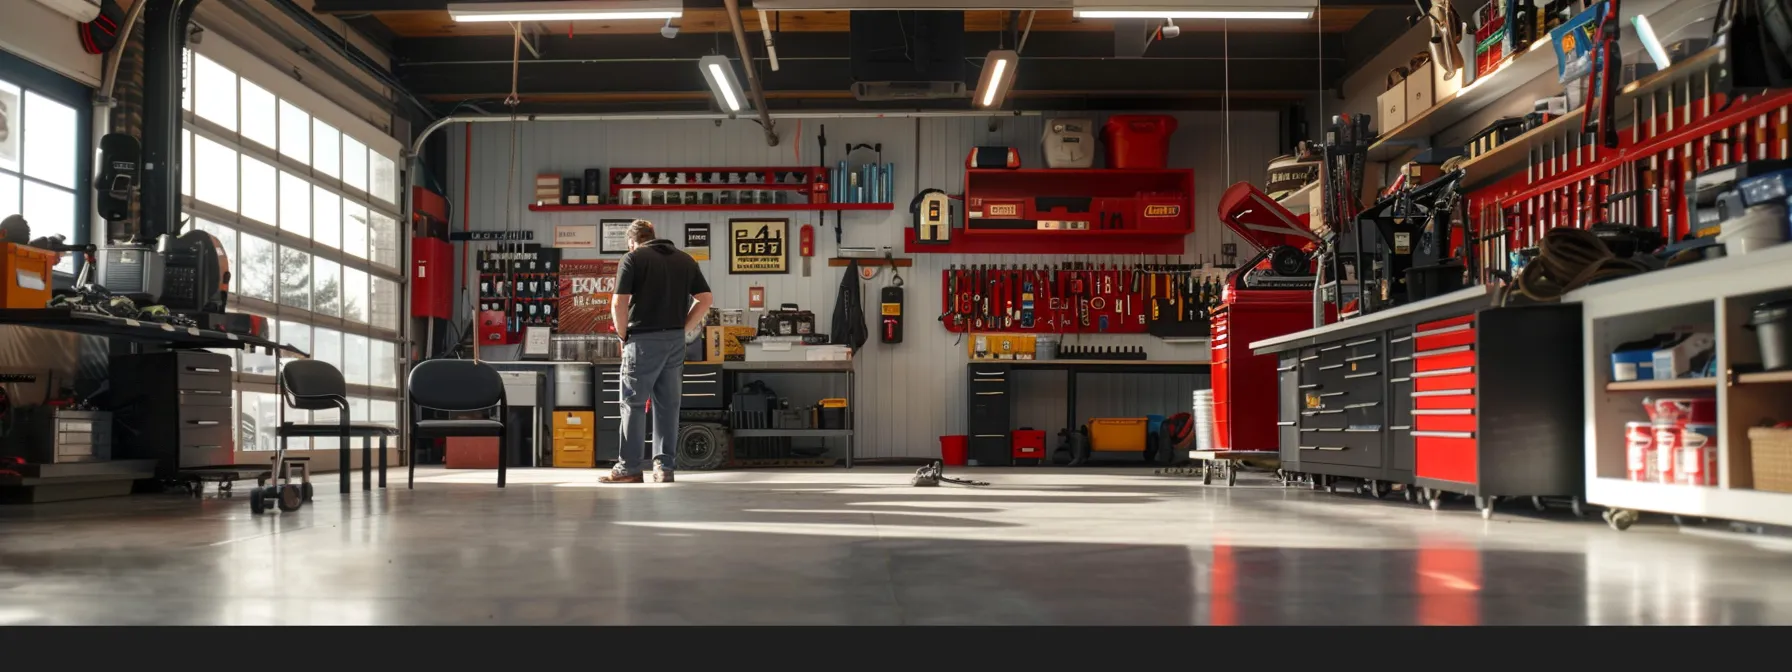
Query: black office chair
point(457, 385)
point(312, 385)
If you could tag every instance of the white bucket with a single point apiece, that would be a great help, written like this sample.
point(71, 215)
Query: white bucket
point(1203, 419)
point(1758, 228)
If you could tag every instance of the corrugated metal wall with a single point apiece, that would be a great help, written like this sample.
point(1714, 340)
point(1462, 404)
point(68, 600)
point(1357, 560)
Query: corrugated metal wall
point(910, 393)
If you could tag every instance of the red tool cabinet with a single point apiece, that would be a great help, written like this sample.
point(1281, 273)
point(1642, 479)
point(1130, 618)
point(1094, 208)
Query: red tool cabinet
point(1244, 385)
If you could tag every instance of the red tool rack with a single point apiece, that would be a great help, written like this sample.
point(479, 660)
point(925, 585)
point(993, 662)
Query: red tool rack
point(1099, 299)
point(1071, 211)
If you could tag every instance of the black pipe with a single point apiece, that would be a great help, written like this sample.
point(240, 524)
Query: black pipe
point(165, 29)
point(354, 55)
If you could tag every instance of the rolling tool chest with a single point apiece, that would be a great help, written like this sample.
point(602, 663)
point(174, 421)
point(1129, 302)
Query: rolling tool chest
point(1446, 395)
point(988, 421)
point(173, 407)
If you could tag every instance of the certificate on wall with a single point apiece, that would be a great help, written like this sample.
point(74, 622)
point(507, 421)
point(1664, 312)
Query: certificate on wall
point(696, 240)
point(586, 286)
point(614, 236)
point(575, 236)
point(758, 246)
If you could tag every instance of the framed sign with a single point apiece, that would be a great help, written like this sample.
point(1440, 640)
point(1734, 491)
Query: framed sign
point(696, 240)
point(578, 235)
point(586, 287)
point(614, 236)
point(758, 246)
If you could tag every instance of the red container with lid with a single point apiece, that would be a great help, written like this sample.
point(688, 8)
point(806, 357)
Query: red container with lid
point(1640, 455)
point(955, 449)
point(1138, 140)
point(1028, 444)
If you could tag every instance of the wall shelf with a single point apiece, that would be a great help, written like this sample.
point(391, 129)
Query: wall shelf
point(1051, 242)
point(1765, 377)
point(1416, 132)
point(763, 207)
point(1676, 384)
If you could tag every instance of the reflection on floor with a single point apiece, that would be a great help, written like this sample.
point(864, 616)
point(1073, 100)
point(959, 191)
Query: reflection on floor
point(830, 546)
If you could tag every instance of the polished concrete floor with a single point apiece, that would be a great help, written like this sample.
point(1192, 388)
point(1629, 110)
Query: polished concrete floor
point(830, 546)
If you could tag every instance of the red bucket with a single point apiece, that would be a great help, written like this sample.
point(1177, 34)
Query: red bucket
point(1138, 140)
point(955, 449)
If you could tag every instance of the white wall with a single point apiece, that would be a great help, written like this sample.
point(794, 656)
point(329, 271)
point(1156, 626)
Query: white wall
point(910, 393)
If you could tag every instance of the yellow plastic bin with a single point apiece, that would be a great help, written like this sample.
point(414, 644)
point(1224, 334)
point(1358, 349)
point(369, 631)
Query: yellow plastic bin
point(1117, 435)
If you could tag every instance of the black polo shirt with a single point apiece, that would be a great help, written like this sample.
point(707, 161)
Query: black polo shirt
point(660, 280)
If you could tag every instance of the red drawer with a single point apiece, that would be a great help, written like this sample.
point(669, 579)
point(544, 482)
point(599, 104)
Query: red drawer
point(1444, 458)
point(1444, 323)
point(1444, 423)
point(1466, 400)
point(1460, 381)
point(1440, 362)
point(1465, 335)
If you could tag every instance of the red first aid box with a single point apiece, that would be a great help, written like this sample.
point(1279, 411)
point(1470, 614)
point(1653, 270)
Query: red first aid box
point(1028, 444)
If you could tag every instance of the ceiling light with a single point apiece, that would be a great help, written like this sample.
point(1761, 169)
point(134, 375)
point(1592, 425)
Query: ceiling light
point(1296, 14)
point(615, 10)
point(1651, 43)
point(998, 75)
point(720, 75)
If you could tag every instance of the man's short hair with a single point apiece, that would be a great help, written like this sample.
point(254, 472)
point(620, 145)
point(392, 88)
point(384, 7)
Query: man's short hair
point(640, 232)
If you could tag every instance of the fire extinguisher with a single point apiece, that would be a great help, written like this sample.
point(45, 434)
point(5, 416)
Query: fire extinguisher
point(890, 305)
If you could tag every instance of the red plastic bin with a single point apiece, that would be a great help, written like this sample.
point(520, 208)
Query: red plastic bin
point(955, 449)
point(1138, 140)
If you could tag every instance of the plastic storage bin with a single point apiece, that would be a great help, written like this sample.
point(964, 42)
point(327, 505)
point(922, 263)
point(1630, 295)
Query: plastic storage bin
point(26, 276)
point(1117, 435)
point(1138, 140)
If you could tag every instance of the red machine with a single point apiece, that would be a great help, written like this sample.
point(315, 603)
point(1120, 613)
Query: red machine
point(432, 258)
point(1268, 296)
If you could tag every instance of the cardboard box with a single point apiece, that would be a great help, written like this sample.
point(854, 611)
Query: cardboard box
point(1443, 87)
point(1684, 358)
point(1390, 108)
point(733, 350)
point(715, 344)
point(1420, 90)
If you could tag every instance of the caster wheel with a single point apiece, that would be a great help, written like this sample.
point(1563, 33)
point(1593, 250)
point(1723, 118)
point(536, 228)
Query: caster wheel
point(261, 481)
point(1537, 503)
point(1376, 489)
point(256, 504)
point(1331, 488)
point(1620, 519)
point(1317, 483)
point(1231, 476)
point(1577, 508)
point(306, 490)
point(290, 498)
point(1487, 513)
point(224, 488)
point(1207, 475)
point(1435, 499)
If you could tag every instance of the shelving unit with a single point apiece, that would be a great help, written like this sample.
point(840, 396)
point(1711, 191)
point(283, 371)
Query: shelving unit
point(1718, 293)
point(766, 207)
point(1417, 131)
point(1655, 385)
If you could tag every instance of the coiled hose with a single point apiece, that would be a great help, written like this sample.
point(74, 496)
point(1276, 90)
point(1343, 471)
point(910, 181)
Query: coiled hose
point(1568, 259)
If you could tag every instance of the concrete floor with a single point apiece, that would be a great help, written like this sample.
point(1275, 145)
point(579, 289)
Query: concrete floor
point(830, 546)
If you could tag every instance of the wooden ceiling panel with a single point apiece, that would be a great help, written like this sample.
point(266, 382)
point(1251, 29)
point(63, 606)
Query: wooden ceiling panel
point(439, 24)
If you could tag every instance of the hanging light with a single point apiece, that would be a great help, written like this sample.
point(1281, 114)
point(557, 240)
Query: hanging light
point(1194, 9)
point(614, 10)
point(720, 75)
point(997, 77)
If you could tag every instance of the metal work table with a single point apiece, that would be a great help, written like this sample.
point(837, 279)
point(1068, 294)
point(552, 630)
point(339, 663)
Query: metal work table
point(733, 370)
point(95, 324)
point(1412, 313)
point(988, 410)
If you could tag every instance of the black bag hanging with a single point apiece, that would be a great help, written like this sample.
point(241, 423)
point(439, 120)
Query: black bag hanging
point(890, 307)
point(849, 312)
point(101, 34)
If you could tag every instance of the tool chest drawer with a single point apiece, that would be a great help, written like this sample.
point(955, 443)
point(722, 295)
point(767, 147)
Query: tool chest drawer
point(1330, 354)
point(1449, 333)
point(1323, 418)
point(1445, 358)
point(1451, 420)
point(1289, 403)
point(1362, 449)
point(1445, 456)
point(204, 416)
point(702, 387)
point(1400, 342)
point(1444, 379)
point(1366, 348)
point(204, 397)
point(1457, 399)
point(987, 378)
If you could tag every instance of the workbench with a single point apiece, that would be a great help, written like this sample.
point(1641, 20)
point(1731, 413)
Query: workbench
point(989, 413)
point(1450, 394)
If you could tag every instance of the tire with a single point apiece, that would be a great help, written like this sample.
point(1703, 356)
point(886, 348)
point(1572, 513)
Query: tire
point(702, 447)
point(306, 490)
point(291, 498)
point(1620, 519)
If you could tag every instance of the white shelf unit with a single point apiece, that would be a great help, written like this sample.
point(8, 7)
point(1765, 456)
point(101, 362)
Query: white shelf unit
point(1719, 293)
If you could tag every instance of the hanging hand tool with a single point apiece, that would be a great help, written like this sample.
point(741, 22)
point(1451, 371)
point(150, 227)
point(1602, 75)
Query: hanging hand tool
point(1027, 297)
point(890, 305)
point(976, 311)
point(806, 245)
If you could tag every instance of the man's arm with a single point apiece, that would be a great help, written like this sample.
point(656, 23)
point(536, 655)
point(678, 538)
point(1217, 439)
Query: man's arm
point(619, 314)
point(699, 311)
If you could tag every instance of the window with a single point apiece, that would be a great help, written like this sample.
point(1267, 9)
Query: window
point(304, 198)
point(39, 161)
point(214, 92)
point(186, 165)
point(260, 123)
point(326, 149)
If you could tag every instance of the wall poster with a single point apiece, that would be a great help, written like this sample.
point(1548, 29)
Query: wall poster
point(696, 240)
point(758, 246)
point(575, 236)
point(586, 286)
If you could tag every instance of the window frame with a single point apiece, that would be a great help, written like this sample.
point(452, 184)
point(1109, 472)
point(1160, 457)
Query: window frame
point(31, 77)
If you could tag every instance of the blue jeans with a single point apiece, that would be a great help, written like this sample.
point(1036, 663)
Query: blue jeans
point(652, 367)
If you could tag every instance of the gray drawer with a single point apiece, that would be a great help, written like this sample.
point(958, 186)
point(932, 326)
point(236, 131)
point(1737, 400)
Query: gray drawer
point(204, 416)
point(1362, 449)
point(205, 397)
point(1362, 348)
point(1323, 418)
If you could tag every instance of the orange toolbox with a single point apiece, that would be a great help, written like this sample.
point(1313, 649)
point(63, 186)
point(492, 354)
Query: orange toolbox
point(1117, 435)
point(26, 270)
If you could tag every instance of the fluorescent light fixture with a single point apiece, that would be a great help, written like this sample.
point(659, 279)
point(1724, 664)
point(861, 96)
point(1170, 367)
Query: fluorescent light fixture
point(720, 75)
point(614, 10)
point(1651, 43)
point(998, 75)
point(1242, 14)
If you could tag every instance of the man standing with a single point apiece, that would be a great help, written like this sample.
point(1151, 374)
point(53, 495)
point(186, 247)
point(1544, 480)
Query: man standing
point(660, 302)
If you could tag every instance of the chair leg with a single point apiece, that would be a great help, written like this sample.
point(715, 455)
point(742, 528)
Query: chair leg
point(342, 472)
point(410, 476)
point(503, 453)
point(366, 463)
point(382, 462)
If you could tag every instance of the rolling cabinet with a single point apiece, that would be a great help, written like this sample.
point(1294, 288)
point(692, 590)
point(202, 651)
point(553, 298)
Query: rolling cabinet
point(173, 407)
point(989, 418)
point(609, 413)
point(703, 389)
point(1495, 404)
point(1400, 369)
point(1288, 410)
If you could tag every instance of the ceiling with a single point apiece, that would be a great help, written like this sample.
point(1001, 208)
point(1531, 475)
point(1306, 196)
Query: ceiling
point(1066, 63)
